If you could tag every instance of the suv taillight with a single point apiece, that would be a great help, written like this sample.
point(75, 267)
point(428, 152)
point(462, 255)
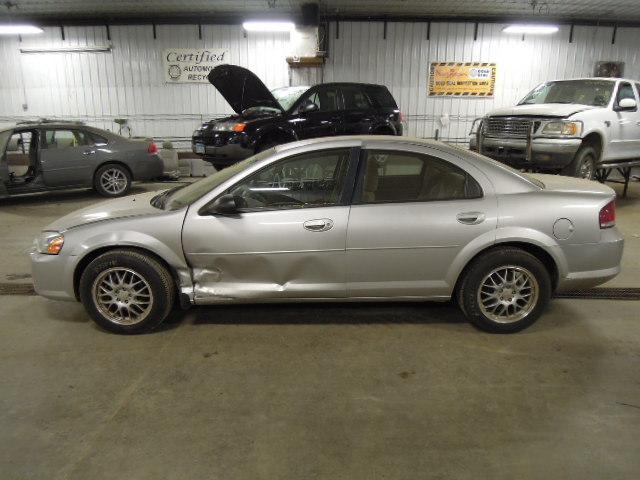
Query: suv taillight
point(153, 148)
point(608, 215)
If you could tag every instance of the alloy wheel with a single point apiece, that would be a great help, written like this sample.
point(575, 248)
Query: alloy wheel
point(114, 181)
point(122, 295)
point(508, 294)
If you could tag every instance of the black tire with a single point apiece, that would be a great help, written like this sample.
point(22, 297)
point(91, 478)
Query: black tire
point(158, 282)
point(114, 170)
point(583, 164)
point(522, 263)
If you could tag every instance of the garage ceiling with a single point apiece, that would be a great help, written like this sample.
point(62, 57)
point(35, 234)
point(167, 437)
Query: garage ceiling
point(211, 11)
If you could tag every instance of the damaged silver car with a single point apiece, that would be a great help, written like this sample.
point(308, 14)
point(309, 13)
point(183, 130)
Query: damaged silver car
point(338, 219)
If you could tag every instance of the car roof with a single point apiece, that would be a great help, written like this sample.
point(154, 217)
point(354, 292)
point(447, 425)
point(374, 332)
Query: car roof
point(609, 79)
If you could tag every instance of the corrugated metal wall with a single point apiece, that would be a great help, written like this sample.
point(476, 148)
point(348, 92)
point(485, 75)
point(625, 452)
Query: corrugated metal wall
point(129, 81)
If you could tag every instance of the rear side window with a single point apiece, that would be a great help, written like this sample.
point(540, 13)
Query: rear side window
point(381, 97)
point(65, 139)
point(355, 98)
point(391, 177)
point(97, 139)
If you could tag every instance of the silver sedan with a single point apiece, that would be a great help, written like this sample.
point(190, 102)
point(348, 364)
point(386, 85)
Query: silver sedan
point(338, 219)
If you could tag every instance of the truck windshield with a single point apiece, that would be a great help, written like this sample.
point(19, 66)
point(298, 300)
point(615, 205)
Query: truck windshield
point(596, 93)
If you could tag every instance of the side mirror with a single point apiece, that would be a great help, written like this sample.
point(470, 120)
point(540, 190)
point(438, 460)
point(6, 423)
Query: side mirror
point(627, 104)
point(224, 205)
point(308, 106)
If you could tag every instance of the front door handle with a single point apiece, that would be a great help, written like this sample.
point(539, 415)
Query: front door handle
point(318, 225)
point(89, 152)
point(471, 218)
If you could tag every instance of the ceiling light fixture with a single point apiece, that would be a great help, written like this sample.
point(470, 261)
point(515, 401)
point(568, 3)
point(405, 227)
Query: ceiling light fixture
point(530, 28)
point(16, 29)
point(268, 26)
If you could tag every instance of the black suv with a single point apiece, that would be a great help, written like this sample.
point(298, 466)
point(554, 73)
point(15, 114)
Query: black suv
point(267, 118)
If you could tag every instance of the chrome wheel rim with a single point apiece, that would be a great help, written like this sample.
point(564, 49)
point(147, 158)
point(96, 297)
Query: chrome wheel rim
point(113, 180)
point(122, 296)
point(586, 169)
point(508, 294)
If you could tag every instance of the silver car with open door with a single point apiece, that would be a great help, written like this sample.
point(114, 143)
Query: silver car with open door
point(338, 219)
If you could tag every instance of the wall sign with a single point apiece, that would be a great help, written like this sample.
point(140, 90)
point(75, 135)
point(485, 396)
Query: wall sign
point(191, 65)
point(471, 79)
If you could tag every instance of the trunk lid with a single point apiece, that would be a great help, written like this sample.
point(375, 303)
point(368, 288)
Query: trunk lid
point(562, 184)
point(241, 88)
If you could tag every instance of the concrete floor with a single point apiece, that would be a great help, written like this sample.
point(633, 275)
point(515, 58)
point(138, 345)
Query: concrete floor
point(315, 391)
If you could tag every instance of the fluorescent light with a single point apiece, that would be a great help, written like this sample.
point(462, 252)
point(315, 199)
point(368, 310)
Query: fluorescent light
point(87, 49)
point(268, 26)
point(530, 28)
point(17, 29)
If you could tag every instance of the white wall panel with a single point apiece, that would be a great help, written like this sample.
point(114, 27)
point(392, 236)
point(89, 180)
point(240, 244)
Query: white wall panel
point(129, 81)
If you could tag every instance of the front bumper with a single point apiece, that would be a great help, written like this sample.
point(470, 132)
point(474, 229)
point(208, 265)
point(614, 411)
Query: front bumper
point(592, 264)
point(53, 275)
point(223, 148)
point(546, 153)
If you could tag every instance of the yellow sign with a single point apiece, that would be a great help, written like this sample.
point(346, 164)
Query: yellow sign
point(462, 79)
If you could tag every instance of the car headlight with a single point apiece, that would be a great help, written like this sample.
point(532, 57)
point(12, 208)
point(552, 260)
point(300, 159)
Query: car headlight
point(50, 243)
point(230, 127)
point(562, 128)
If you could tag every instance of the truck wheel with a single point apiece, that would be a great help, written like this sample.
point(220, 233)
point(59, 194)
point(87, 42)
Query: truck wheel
point(112, 180)
point(583, 164)
point(125, 291)
point(504, 290)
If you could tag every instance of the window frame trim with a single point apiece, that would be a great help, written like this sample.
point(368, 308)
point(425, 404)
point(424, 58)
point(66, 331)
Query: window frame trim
point(344, 198)
point(356, 198)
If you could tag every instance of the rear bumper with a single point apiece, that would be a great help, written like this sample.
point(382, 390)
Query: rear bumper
point(592, 264)
point(149, 168)
point(546, 153)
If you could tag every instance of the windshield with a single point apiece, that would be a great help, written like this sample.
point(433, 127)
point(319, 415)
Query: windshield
point(188, 194)
point(287, 96)
point(596, 93)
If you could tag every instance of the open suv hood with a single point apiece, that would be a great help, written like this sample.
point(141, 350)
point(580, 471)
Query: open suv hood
point(241, 88)
point(560, 110)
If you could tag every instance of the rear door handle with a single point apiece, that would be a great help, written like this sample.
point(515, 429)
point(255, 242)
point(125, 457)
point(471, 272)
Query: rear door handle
point(318, 225)
point(470, 218)
point(89, 152)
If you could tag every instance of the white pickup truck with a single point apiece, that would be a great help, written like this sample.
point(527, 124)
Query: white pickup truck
point(569, 126)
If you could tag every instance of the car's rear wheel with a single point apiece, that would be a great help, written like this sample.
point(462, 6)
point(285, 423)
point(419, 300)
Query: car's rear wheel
point(504, 290)
point(112, 180)
point(583, 164)
point(125, 291)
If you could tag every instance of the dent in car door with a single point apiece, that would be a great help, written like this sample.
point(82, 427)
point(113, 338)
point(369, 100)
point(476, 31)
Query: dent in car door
point(414, 215)
point(66, 157)
point(289, 242)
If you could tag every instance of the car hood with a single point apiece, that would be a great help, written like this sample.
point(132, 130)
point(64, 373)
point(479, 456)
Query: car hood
point(559, 110)
point(131, 206)
point(241, 88)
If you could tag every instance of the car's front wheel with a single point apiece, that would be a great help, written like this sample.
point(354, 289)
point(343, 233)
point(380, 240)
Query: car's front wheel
point(504, 290)
point(125, 291)
point(112, 180)
point(583, 164)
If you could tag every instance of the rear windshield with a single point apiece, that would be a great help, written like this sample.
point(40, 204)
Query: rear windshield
point(382, 97)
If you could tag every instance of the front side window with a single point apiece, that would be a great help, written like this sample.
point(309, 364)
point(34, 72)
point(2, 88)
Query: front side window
point(582, 92)
point(390, 177)
point(65, 139)
point(314, 179)
point(625, 91)
point(326, 99)
point(355, 98)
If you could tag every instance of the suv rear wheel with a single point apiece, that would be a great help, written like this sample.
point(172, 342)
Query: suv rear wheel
point(504, 290)
point(125, 291)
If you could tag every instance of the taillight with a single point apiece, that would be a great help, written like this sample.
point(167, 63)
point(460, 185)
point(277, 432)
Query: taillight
point(153, 148)
point(608, 215)
point(401, 117)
